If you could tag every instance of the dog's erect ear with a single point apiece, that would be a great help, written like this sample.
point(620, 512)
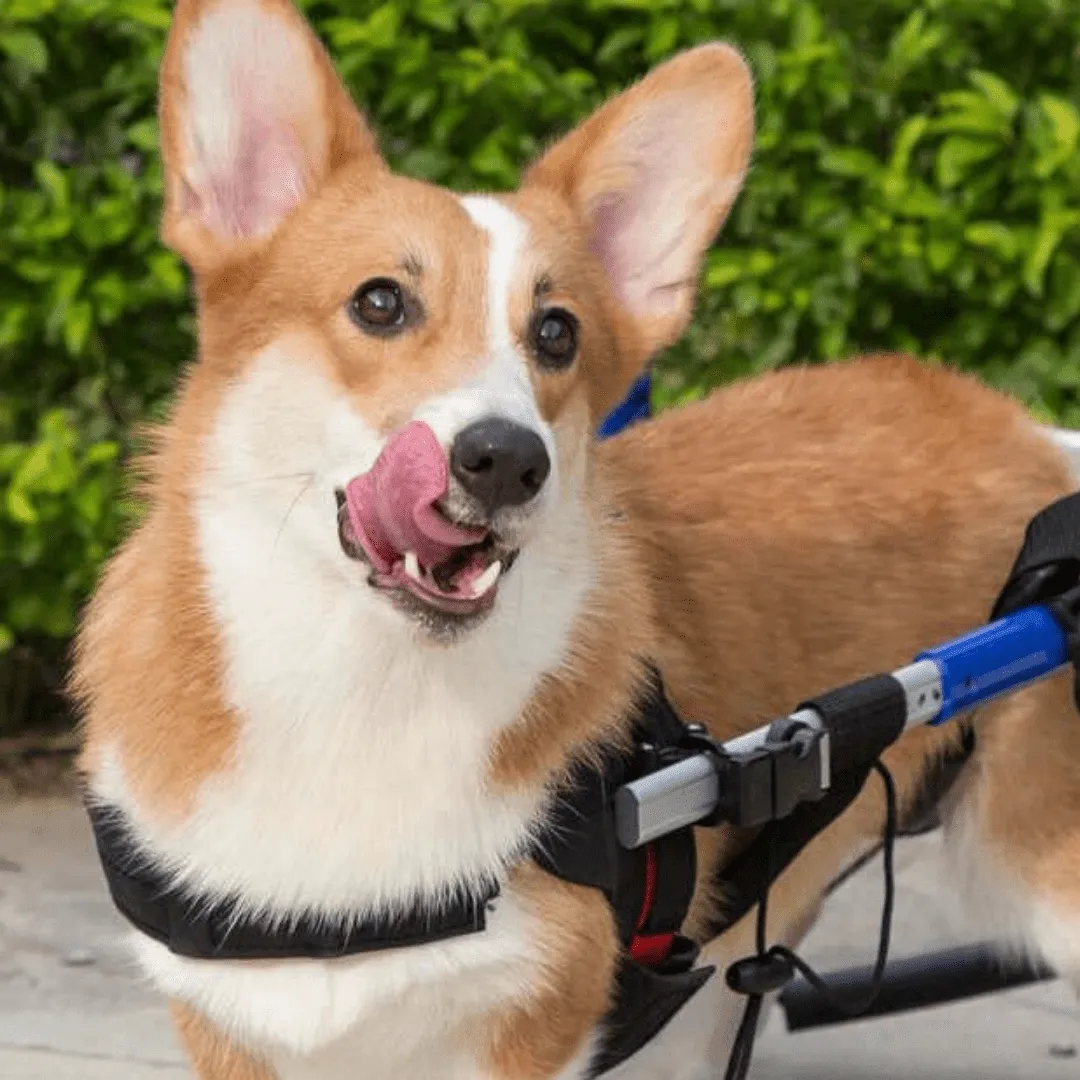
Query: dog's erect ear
point(653, 173)
point(253, 119)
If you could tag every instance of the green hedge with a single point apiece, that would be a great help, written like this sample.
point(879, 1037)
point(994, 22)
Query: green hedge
point(916, 185)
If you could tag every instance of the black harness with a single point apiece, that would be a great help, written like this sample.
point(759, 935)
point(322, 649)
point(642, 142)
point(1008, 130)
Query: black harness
point(649, 888)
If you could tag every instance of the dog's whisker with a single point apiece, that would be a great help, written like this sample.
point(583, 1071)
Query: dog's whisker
point(292, 506)
point(275, 478)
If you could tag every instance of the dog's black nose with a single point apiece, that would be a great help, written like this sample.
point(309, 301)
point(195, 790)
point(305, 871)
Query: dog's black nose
point(500, 463)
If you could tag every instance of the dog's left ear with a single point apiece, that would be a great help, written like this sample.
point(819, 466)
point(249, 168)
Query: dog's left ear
point(652, 175)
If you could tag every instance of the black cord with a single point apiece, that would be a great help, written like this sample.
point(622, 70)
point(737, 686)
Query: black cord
point(743, 1048)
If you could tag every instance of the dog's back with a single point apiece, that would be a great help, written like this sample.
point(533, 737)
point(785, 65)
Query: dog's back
point(819, 524)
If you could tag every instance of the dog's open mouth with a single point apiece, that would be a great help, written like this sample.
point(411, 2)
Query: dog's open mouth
point(463, 584)
point(391, 517)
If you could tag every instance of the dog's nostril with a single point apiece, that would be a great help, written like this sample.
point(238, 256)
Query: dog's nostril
point(531, 479)
point(481, 464)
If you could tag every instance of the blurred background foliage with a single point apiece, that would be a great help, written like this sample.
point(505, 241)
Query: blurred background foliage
point(916, 185)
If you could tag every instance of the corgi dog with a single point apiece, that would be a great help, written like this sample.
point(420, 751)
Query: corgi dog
point(389, 588)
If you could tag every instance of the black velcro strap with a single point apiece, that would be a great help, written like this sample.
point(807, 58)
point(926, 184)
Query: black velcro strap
point(645, 1001)
point(1049, 560)
point(862, 718)
point(193, 926)
point(740, 882)
point(676, 877)
point(1047, 571)
point(579, 842)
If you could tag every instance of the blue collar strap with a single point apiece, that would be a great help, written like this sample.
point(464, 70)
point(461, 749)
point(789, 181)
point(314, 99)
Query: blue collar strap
point(635, 406)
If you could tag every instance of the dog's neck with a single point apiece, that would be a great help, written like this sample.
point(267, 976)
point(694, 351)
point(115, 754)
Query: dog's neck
point(303, 746)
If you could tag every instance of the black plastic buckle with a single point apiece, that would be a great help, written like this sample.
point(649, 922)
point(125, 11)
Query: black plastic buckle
point(796, 750)
point(762, 785)
point(697, 740)
point(765, 784)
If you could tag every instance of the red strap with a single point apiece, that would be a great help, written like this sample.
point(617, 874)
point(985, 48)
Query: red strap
point(649, 949)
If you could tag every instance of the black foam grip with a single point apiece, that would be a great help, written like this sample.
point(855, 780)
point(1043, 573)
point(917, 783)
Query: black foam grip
point(862, 718)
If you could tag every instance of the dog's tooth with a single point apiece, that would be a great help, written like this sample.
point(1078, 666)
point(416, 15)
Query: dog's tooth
point(486, 580)
point(412, 565)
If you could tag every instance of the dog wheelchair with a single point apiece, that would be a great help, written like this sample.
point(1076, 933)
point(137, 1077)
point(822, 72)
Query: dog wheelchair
point(784, 771)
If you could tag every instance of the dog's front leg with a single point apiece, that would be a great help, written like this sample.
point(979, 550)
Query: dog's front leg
point(212, 1056)
point(550, 1033)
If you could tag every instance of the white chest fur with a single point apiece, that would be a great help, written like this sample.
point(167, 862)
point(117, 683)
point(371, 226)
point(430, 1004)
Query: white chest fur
point(359, 778)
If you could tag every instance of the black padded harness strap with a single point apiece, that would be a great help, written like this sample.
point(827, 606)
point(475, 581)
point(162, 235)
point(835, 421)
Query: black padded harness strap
point(192, 926)
point(1049, 560)
point(1047, 571)
point(580, 844)
point(649, 888)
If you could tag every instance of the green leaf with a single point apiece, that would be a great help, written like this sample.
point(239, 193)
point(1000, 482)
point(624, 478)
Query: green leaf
point(618, 42)
point(995, 236)
point(50, 177)
point(911, 131)
point(19, 507)
point(167, 270)
point(102, 453)
point(7, 638)
point(662, 36)
point(25, 47)
point(1042, 250)
point(1064, 301)
point(997, 91)
point(437, 14)
point(849, 162)
point(1064, 119)
point(940, 253)
point(149, 13)
point(143, 134)
point(958, 154)
point(78, 320)
point(725, 267)
point(490, 160)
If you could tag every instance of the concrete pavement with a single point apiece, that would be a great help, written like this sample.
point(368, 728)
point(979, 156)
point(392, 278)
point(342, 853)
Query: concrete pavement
point(71, 1007)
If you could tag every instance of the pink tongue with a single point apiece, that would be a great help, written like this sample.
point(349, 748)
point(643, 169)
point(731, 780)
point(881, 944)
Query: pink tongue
point(392, 506)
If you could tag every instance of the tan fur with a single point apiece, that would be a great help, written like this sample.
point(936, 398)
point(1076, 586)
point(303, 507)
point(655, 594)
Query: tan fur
point(211, 1055)
point(147, 630)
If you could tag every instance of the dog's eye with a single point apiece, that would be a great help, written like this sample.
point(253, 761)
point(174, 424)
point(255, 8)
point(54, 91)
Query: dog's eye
point(379, 307)
point(555, 335)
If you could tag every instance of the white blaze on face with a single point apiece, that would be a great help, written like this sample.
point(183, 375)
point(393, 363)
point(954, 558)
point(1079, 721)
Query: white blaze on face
point(501, 386)
point(507, 234)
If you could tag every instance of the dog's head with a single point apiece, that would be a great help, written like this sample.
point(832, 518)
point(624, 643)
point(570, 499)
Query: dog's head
point(398, 383)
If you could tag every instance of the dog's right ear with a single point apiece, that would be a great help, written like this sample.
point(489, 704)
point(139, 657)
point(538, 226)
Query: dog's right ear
point(253, 119)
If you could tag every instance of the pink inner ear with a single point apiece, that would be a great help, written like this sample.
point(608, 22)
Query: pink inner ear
point(254, 119)
point(264, 183)
point(642, 233)
point(613, 243)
